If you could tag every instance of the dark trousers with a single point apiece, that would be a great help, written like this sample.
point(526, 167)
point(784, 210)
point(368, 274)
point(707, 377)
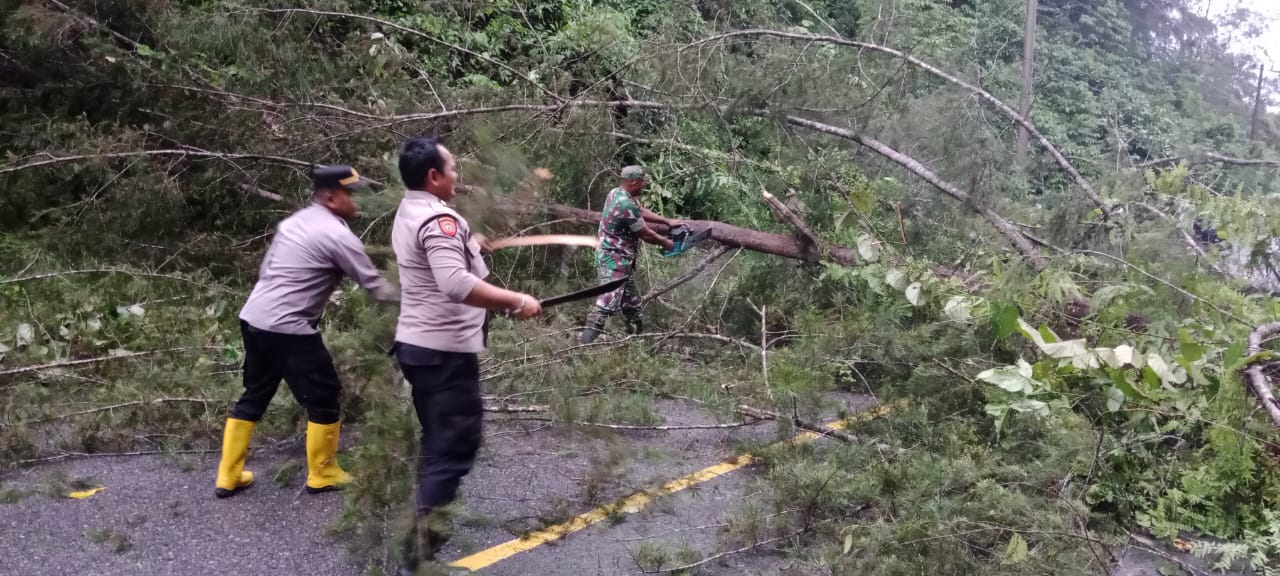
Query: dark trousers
point(446, 396)
point(301, 360)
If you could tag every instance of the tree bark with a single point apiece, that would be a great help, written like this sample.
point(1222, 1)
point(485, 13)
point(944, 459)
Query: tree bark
point(1028, 67)
point(1210, 157)
point(727, 234)
point(786, 216)
point(1257, 105)
point(1258, 381)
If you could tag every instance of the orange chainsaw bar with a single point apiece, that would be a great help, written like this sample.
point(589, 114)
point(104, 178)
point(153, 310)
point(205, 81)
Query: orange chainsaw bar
point(544, 240)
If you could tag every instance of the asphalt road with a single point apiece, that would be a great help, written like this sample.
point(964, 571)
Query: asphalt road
point(529, 475)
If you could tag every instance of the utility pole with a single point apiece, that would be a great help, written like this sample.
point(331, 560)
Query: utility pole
point(1028, 68)
point(1257, 105)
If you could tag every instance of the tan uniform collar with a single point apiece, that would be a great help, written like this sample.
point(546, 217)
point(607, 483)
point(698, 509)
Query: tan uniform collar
point(423, 195)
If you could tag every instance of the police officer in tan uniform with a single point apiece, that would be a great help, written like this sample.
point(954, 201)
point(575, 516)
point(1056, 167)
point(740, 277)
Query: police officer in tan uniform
point(312, 251)
point(442, 329)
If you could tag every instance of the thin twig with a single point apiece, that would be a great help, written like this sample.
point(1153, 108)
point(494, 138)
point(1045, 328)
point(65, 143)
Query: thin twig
point(121, 405)
point(902, 229)
point(1211, 156)
point(414, 32)
point(170, 152)
point(516, 409)
point(687, 568)
point(1168, 285)
point(814, 13)
point(803, 425)
point(688, 275)
point(97, 360)
point(1153, 548)
point(662, 428)
point(1191, 242)
point(135, 273)
point(764, 350)
point(560, 355)
point(69, 455)
point(669, 533)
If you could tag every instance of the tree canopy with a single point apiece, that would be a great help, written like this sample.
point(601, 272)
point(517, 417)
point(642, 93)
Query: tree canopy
point(1077, 324)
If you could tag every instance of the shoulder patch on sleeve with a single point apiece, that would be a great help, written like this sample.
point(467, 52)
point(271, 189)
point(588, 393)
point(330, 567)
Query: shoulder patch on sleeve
point(448, 225)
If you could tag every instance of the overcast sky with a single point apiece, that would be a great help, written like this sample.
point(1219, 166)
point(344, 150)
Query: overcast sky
point(1267, 46)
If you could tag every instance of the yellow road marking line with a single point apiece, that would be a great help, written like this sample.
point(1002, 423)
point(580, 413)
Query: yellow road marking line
point(636, 502)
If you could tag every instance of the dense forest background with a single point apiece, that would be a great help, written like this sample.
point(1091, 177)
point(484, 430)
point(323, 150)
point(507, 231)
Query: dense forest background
point(1068, 321)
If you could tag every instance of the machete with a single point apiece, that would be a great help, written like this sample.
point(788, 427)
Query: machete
point(609, 286)
point(561, 299)
point(605, 288)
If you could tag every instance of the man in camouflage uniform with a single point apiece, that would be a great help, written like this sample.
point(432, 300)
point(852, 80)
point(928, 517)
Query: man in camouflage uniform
point(622, 227)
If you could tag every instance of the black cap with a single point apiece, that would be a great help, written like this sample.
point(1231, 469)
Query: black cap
point(338, 176)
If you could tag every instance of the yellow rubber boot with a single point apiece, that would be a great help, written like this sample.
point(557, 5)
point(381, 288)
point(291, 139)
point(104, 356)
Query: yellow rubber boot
point(232, 477)
point(323, 472)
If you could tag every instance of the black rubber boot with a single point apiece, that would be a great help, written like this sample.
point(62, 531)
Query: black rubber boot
point(595, 325)
point(635, 325)
point(430, 533)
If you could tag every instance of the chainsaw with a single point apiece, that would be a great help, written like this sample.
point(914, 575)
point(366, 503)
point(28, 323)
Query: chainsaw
point(683, 239)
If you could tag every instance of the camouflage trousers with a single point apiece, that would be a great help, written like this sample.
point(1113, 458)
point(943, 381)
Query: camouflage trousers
point(626, 298)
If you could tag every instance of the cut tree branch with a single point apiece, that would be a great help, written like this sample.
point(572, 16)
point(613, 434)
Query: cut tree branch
point(785, 215)
point(1005, 109)
point(123, 405)
point(762, 414)
point(1258, 381)
point(256, 191)
point(1003, 226)
point(655, 428)
point(135, 273)
point(491, 372)
point(176, 152)
point(414, 32)
point(688, 275)
point(1191, 242)
point(90, 20)
point(1167, 284)
point(726, 234)
point(689, 568)
point(516, 409)
point(87, 361)
point(1210, 157)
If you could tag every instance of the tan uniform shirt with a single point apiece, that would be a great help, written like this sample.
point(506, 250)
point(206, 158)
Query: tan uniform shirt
point(312, 250)
point(440, 264)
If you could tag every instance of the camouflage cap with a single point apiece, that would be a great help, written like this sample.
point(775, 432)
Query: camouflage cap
point(634, 173)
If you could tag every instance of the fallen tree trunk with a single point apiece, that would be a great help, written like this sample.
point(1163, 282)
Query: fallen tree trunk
point(727, 234)
point(1208, 157)
point(1256, 379)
